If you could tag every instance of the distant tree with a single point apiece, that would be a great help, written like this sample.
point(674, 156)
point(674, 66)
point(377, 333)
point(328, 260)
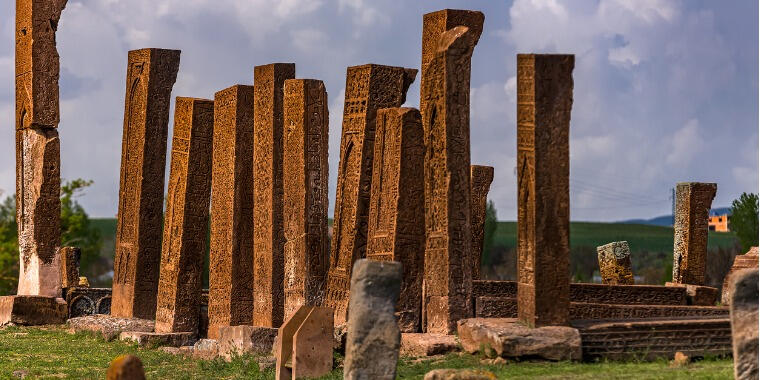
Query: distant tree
point(8, 246)
point(744, 220)
point(489, 228)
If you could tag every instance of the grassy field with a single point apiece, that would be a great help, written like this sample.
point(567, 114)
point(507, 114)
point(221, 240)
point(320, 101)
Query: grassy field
point(54, 353)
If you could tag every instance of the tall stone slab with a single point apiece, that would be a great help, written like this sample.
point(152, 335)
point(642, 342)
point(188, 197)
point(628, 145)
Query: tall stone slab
point(269, 240)
point(445, 108)
point(544, 102)
point(368, 89)
point(744, 321)
point(231, 250)
point(69, 266)
point(186, 217)
point(396, 228)
point(693, 202)
point(305, 199)
point(615, 263)
point(480, 183)
point(151, 74)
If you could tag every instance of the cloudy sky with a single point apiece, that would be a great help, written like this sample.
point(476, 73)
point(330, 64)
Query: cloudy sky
point(665, 91)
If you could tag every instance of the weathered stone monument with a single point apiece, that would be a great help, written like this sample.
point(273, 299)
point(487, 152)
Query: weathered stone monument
point(744, 319)
point(303, 347)
point(448, 40)
point(69, 266)
point(544, 102)
point(186, 217)
point(231, 247)
point(748, 260)
point(373, 339)
point(480, 182)
point(269, 240)
point(615, 263)
point(305, 199)
point(38, 206)
point(396, 229)
point(368, 88)
point(151, 74)
point(693, 201)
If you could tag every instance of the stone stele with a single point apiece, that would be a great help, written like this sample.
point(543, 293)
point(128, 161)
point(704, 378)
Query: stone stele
point(693, 202)
point(151, 74)
point(744, 320)
point(70, 266)
point(615, 263)
point(480, 182)
point(544, 101)
point(186, 217)
point(304, 344)
point(748, 260)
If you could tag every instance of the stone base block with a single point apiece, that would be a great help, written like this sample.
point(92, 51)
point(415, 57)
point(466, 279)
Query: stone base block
point(186, 351)
point(206, 349)
point(495, 307)
point(153, 339)
point(510, 339)
point(110, 327)
point(246, 339)
point(698, 295)
point(32, 310)
point(418, 345)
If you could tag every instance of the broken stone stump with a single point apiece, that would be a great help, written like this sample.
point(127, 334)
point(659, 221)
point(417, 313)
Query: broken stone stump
point(126, 367)
point(424, 344)
point(615, 263)
point(693, 202)
point(69, 257)
point(152, 339)
point(239, 340)
point(745, 261)
point(480, 183)
point(373, 340)
point(305, 342)
point(459, 374)
point(32, 310)
point(511, 339)
point(744, 323)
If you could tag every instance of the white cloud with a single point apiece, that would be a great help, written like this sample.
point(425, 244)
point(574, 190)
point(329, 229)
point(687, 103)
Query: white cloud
point(685, 144)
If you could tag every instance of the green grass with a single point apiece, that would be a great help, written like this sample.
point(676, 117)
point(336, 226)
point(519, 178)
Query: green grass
point(52, 352)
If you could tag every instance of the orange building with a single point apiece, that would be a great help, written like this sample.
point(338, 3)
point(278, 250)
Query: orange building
point(718, 223)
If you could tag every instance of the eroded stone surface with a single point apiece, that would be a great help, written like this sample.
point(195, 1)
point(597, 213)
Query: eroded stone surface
point(615, 263)
point(693, 202)
point(459, 374)
point(424, 344)
point(69, 257)
point(312, 344)
point(480, 182)
point(151, 74)
point(238, 340)
point(125, 367)
point(32, 310)
point(152, 339)
point(744, 323)
point(745, 261)
point(108, 326)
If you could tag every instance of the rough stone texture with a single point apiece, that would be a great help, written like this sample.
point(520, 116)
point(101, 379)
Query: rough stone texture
point(615, 263)
point(125, 367)
point(368, 89)
point(445, 108)
point(186, 217)
point(693, 202)
point(424, 344)
point(269, 239)
point(109, 327)
point(151, 74)
point(305, 196)
point(69, 257)
point(745, 261)
point(152, 339)
point(32, 310)
point(544, 102)
point(245, 339)
point(495, 307)
point(511, 339)
point(231, 254)
point(480, 182)
point(38, 211)
point(373, 341)
point(655, 338)
point(744, 322)
point(88, 301)
point(304, 344)
point(396, 229)
point(493, 288)
point(206, 349)
point(459, 374)
point(698, 294)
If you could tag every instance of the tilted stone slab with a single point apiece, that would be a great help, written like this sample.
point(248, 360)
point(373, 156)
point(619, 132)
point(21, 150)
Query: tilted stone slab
point(693, 202)
point(480, 182)
point(615, 263)
point(32, 310)
point(744, 323)
point(304, 344)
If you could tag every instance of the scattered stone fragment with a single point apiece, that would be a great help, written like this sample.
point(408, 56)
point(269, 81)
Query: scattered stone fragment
point(83, 281)
point(238, 340)
point(744, 323)
point(339, 338)
point(746, 261)
point(20, 373)
point(459, 374)
point(182, 350)
point(32, 310)
point(615, 263)
point(206, 349)
point(154, 339)
point(495, 361)
point(108, 326)
point(266, 362)
point(125, 367)
point(680, 360)
point(424, 344)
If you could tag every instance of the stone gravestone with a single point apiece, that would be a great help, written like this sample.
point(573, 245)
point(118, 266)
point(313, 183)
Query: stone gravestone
point(544, 101)
point(480, 182)
point(448, 40)
point(186, 217)
point(305, 186)
point(231, 254)
point(693, 201)
point(748, 260)
point(151, 74)
point(396, 214)
point(744, 320)
point(368, 88)
point(269, 240)
point(38, 147)
point(615, 263)
point(374, 339)
point(69, 266)
point(303, 347)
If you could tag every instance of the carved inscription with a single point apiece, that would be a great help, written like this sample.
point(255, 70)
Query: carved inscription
point(480, 182)
point(693, 202)
point(615, 263)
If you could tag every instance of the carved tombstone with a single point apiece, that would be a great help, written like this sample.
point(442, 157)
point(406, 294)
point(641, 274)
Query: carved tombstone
point(268, 241)
point(368, 88)
point(615, 263)
point(231, 254)
point(151, 74)
point(305, 199)
point(396, 214)
point(445, 109)
point(693, 202)
point(69, 266)
point(186, 218)
point(303, 348)
point(544, 101)
point(480, 182)
point(744, 320)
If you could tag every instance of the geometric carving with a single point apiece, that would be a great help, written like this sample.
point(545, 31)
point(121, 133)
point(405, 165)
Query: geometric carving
point(396, 215)
point(186, 217)
point(693, 201)
point(231, 247)
point(305, 199)
point(615, 263)
point(480, 182)
point(151, 74)
point(544, 101)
